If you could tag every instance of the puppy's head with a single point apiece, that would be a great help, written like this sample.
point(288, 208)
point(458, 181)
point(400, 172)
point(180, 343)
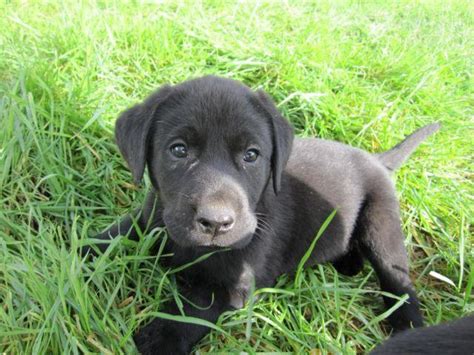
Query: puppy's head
point(211, 146)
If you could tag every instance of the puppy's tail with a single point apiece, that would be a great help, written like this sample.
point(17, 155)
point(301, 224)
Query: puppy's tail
point(393, 158)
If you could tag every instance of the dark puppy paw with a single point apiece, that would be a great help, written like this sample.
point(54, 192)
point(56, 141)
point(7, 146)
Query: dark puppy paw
point(408, 315)
point(350, 264)
point(406, 318)
point(156, 338)
point(88, 251)
point(97, 247)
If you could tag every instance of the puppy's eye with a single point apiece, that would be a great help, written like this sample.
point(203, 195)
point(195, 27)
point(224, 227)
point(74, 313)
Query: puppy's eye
point(251, 155)
point(179, 150)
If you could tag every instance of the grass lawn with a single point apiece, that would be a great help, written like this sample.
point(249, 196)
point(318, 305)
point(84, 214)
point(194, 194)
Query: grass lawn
point(364, 74)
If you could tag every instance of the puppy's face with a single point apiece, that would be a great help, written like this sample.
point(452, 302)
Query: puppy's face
point(211, 150)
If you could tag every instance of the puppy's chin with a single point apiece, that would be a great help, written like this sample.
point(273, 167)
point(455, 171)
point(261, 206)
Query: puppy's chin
point(200, 241)
point(240, 243)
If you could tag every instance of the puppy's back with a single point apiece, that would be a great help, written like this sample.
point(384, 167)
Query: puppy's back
point(339, 173)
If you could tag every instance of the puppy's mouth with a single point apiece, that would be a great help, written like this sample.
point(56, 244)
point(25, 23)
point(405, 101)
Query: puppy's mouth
point(194, 235)
point(237, 243)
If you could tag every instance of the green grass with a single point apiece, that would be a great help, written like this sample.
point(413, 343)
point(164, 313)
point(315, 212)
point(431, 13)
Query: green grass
point(364, 74)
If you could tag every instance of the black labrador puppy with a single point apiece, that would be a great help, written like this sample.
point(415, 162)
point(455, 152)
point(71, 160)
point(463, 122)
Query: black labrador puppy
point(227, 173)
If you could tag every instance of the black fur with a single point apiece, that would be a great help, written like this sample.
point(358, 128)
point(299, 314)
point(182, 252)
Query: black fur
point(452, 338)
point(276, 204)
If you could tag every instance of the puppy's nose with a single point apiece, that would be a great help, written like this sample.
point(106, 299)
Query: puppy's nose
point(214, 220)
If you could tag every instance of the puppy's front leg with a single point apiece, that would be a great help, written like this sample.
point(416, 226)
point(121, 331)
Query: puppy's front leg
point(164, 336)
point(144, 218)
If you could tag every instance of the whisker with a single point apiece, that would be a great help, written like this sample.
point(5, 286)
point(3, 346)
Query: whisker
point(264, 225)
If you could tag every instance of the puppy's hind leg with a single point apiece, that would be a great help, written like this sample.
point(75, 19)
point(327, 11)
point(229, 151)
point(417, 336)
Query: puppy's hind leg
point(381, 240)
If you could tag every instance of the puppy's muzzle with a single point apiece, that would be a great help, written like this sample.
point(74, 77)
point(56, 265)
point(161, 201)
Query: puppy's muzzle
point(222, 215)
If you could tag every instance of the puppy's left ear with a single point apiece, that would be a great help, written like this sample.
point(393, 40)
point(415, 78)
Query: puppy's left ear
point(282, 137)
point(132, 131)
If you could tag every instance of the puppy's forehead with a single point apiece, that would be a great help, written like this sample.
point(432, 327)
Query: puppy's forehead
point(211, 85)
point(216, 106)
point(216, 99)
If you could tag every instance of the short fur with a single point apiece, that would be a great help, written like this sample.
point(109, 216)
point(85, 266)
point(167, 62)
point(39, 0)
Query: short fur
point(276, 203)
point(451, 338)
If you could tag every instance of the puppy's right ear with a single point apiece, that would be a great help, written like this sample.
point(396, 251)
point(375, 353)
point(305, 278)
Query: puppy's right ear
point(132, 131)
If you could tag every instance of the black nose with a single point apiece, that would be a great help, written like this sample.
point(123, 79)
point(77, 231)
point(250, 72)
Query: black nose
point(215, 221)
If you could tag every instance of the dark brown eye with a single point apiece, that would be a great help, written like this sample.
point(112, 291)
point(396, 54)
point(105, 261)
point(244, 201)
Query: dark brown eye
point(179, 150)
point(251, 155)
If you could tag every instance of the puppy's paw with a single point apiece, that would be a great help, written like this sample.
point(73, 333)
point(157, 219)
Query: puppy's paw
point(87, 251)
point(350, 264)
point(94, 250)
point(155, 338)
point(408, 316)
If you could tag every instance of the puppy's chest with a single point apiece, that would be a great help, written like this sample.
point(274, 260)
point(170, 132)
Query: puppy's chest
point(239, 281)
point(237, 276)
point(240, 292)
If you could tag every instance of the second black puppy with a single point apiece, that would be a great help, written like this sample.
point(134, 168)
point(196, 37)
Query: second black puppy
point(450, 338)
point(227, 174)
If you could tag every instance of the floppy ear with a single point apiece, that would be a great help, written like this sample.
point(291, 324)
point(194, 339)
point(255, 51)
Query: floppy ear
point(282, 137)
point(132, 131)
